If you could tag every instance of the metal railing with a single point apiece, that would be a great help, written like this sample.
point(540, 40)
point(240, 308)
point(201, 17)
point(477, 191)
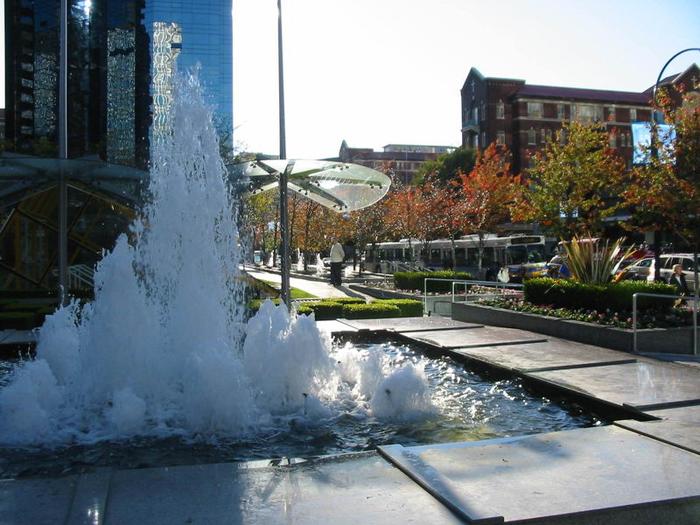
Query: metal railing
point(694, 300)
point(497, 285)
point(81, 276)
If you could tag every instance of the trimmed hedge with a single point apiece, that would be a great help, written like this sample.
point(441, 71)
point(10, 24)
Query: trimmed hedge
point(346, 300)
point(408, 307)
point(416, 280)
point(373, 310)
point(563, 293)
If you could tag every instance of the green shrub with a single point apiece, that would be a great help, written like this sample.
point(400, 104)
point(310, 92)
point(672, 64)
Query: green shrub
point(620, 295)
point(408, 307)
point(326, 310)
point(563, 293)
point(254, 304)
point(304, 309)
point(416, 280)
point(346, 300)
point(375, 310)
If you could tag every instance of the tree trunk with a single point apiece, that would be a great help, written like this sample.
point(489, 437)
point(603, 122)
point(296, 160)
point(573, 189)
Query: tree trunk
point(454, 252)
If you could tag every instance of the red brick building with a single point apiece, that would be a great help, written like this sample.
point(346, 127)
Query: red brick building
point(523, 117)
point(403, 160)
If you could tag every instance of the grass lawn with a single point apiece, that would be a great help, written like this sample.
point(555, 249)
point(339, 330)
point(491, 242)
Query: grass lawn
point(295, 292)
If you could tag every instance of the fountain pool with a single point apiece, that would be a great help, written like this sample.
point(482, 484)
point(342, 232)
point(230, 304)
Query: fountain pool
point(461, 406)
point(162, 368)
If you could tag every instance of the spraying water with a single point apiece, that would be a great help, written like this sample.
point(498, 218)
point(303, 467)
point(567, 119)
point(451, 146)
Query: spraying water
point(163, 349)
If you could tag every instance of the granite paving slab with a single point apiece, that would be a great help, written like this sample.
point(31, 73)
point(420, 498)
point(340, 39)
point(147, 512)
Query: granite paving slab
point(551, 355)
point(349, 489)
point(408, 324)
point(644, 385)
point(36, 501)
point(335, 327)
point(592, 475)
point(476, 337)
point(678, 426)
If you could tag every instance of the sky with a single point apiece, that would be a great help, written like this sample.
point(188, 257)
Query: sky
point(377, 72)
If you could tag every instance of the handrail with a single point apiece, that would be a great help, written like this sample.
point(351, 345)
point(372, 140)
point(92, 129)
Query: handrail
point(694, 298)
point(467, 282)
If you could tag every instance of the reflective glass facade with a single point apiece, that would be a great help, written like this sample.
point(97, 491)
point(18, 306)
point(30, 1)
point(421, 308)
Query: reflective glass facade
point(122, 55)
point(121, 58)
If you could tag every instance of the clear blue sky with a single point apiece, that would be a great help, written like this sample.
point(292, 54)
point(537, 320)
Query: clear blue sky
point(375, 72)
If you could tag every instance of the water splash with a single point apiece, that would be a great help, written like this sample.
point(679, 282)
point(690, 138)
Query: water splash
point(163, 349)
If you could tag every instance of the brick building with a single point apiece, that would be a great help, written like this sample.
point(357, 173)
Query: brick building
point(404, 160)
point(523, 117)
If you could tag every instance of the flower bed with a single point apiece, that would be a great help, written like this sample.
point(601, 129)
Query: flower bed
point(649, 318)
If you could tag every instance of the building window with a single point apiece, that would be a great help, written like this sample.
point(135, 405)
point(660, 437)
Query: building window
point(612, 139)
point(562, 136)
point(476, 141)
point(560, 112)
point(589, 113)
point(500, 110)
point(483, 139)
point(501, 138)
point(611, 114)
point(543, 135)
point(531, 137)
point(483, 111)
point(534, 109)
point(633, 114)
point(549, 135)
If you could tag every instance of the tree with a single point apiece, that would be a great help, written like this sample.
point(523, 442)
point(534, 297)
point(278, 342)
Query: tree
point(575, 182)
point(402, 210)
point(486, 195)
point(448, 165)
point(368, 226)
point(664, 193)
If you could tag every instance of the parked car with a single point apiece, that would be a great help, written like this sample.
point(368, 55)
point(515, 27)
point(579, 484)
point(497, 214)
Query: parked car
point(637, 271)
point(642, 269)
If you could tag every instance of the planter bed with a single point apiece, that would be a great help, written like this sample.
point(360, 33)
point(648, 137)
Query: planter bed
point(653, 340)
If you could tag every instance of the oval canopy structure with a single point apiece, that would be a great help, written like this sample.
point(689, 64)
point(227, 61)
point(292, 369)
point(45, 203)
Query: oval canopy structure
point(340, 186)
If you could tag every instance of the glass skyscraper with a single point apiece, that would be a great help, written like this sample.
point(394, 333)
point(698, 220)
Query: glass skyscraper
point(121, 58)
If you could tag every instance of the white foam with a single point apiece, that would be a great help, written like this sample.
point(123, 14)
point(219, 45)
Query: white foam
point(163, 349)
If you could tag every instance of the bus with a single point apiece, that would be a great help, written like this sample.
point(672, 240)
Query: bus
point(523, 255)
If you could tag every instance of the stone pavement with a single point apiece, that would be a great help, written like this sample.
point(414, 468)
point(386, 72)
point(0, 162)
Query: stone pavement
point(643, 470)
point(321, 289)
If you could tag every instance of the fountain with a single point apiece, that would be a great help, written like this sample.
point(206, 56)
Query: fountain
point(162, 358)
point(163, 349)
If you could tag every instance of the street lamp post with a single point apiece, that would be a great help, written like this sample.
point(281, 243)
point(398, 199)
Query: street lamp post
point(285, 265)
point(695, 244)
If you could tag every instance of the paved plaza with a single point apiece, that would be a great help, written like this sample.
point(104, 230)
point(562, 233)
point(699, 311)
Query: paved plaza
point(643, 469)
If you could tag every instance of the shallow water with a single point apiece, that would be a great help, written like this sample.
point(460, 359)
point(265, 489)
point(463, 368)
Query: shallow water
point(466, 407)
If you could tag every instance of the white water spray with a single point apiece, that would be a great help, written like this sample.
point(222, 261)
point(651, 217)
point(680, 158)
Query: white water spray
point(163, 349)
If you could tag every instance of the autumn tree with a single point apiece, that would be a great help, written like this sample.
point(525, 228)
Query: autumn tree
point(575, 182)
point(486, 195)
point(664, 193)
point(402, 209)
point(259, 213)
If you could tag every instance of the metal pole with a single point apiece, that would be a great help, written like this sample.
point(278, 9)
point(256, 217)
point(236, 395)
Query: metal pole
point(634, 323)
point(63, 154)
point(285, 265)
